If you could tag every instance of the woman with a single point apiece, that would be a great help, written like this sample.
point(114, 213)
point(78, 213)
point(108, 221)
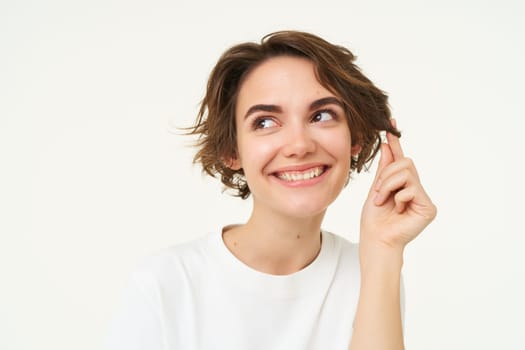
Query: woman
point(286, 121)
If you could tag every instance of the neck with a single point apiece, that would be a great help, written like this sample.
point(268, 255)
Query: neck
point(276, 244)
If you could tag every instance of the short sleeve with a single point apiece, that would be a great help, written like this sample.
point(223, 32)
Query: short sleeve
point(137, 324)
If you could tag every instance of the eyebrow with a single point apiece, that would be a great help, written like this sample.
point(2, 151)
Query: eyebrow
point(277, 109)
point(325, 101)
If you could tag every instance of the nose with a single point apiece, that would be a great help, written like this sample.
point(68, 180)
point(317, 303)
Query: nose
point(298, 142)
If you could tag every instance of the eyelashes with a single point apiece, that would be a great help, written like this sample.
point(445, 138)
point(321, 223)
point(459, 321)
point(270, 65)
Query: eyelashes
point(320, 116)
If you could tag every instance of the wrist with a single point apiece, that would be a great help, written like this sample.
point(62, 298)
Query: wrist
point(376, 257)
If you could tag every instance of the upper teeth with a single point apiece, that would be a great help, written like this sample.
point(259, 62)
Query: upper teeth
point(296, 176)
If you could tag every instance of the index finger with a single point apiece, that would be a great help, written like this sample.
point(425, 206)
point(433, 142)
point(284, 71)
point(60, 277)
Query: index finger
point(394, 143)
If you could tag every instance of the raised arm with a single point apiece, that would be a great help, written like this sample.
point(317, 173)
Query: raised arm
point(396, 211)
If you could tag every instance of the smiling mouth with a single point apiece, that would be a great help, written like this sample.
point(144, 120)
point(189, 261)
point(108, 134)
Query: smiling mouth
point(291, 176)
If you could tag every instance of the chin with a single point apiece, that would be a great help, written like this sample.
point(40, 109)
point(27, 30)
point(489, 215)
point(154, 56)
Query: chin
point(305, 210)
point(304, 203)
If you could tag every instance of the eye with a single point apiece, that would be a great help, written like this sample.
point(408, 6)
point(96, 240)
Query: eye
point(264, 123)
point(323, 116)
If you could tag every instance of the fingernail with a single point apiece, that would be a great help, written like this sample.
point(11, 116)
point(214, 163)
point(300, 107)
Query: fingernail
point(393, 122)
point(378, 184)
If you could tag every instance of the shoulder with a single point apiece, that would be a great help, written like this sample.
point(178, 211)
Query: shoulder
point(346, 247)
point(173, 265)
point(347, 254)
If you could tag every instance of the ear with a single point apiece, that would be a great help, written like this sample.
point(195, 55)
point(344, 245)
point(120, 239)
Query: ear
point(233, 163)
point(355, 150)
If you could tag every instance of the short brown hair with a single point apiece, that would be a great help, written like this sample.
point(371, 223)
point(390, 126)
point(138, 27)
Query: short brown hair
point(365, 105)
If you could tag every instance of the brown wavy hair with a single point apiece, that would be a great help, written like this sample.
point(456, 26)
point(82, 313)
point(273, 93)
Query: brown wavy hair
point(365, 105)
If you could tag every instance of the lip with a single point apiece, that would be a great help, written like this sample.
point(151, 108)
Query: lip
point(301, 168)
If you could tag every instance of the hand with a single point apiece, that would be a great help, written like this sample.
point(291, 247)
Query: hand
point(397, 208)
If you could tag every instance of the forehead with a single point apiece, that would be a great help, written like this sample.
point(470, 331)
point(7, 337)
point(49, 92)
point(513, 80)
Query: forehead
point(286, 81)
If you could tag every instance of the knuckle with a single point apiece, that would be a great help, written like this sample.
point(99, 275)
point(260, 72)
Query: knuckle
point(434, 210)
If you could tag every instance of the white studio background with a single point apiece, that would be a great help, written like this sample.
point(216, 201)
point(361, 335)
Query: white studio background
point(94, 176)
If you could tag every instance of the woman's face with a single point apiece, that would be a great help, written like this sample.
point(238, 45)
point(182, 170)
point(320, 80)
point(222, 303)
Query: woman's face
point(293, 138)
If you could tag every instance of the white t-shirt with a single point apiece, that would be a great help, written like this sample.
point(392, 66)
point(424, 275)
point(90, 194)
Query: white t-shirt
point(198, 295)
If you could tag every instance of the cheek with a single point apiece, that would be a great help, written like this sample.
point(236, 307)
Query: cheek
point(339, 143)
point(255, 153)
